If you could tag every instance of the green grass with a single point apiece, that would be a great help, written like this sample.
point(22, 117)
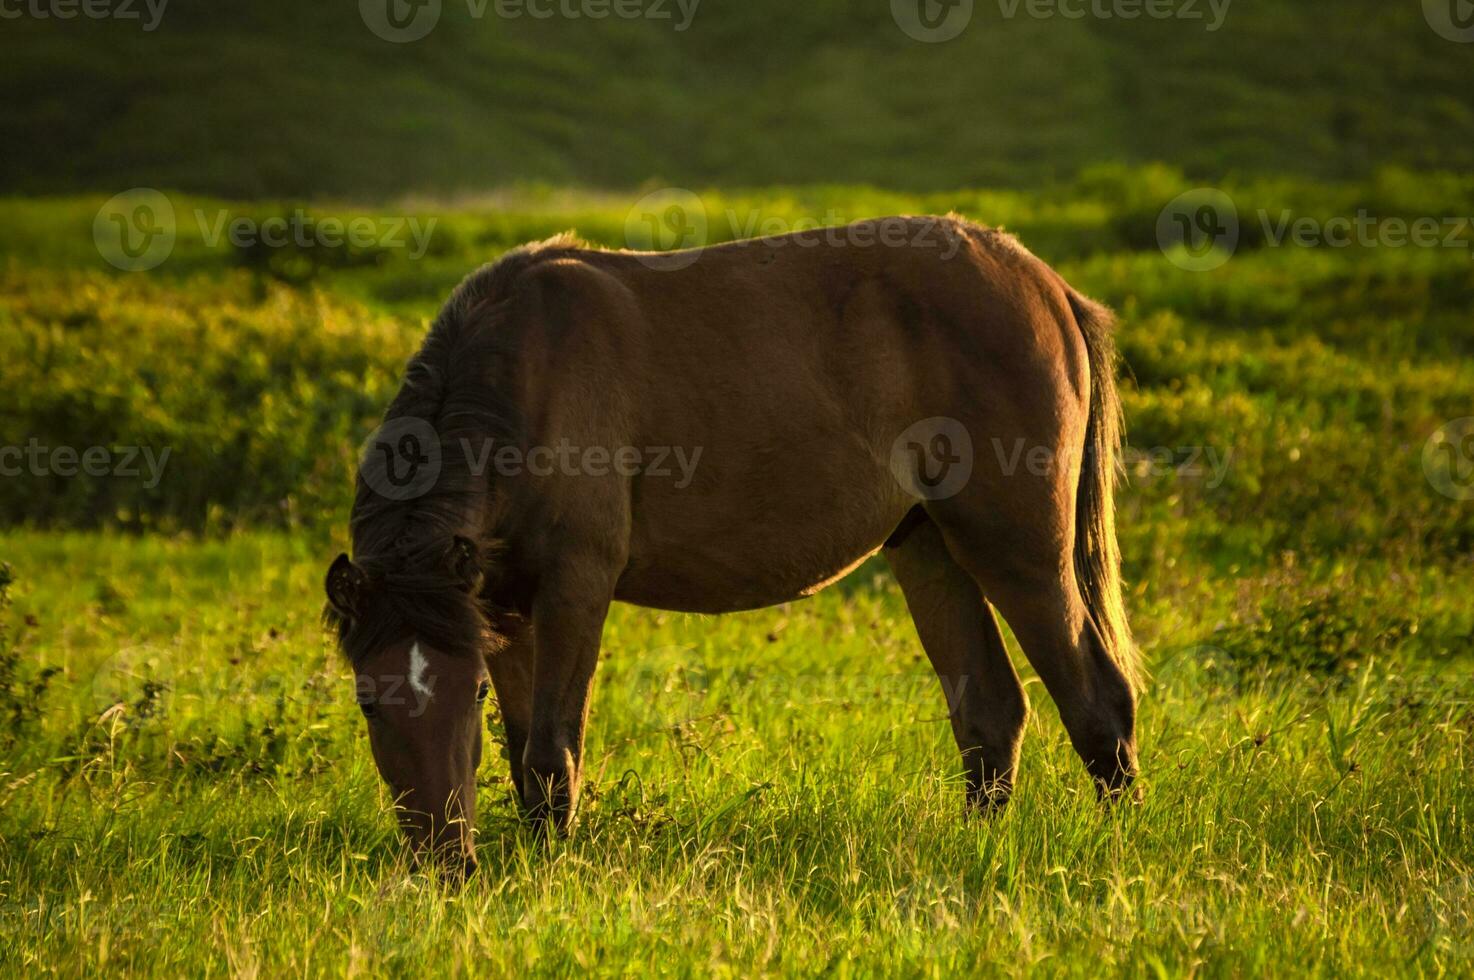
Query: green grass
point(768, 791)
point(185, 787)
point(278, 97)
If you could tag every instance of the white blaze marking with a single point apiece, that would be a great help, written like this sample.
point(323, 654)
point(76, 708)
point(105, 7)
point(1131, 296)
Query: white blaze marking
point(417, 667)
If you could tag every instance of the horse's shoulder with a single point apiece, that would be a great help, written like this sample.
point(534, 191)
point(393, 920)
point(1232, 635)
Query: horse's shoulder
point(590, 277)
point(496, 280)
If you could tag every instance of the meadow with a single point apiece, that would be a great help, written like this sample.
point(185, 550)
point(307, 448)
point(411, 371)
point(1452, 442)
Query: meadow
point(185, 786)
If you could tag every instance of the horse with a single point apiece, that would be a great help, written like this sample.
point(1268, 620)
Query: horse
point(923, 387)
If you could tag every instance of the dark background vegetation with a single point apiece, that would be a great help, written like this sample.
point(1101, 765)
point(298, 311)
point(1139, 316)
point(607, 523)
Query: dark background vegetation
point(282, 97)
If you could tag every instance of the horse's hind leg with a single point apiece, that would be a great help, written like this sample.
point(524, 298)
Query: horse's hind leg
point(1094, 699)
point(1033, 585)
point(985, 701)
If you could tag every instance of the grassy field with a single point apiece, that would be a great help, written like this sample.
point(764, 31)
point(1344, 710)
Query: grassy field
point(768, 791)
point(184, 785)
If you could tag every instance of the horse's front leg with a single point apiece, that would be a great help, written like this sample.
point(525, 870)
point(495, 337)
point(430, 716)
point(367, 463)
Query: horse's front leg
point(567, 623)
point(510, 668)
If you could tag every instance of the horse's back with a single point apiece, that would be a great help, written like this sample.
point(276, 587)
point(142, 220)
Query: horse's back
point(785, 371)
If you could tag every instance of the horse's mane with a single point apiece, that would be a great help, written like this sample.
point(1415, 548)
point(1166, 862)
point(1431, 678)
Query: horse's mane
point(404, 547)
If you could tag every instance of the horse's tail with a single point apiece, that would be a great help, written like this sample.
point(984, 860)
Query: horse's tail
point(1097, 555)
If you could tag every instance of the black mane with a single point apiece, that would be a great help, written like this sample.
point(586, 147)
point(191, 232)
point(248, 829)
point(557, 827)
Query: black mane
point(404, 547)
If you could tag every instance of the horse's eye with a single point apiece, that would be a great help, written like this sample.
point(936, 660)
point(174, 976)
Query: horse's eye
point(483, 692)
point(368, 708)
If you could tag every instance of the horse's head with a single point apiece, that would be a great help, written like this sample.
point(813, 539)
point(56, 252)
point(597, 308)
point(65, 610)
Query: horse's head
point(414, 639)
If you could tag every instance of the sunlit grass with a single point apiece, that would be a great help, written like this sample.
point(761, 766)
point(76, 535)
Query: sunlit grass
point(771, 790)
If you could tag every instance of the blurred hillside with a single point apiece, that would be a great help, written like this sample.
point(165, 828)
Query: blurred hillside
point(282, 97)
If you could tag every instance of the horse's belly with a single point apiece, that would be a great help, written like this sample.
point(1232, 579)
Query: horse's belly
point(746, 574)
point(774, 512)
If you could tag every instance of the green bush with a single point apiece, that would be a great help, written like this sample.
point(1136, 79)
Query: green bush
point(212, 404)
point(23, 686)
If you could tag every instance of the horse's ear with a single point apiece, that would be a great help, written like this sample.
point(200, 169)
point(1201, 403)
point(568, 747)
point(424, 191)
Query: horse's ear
point(345, 587)
point(465, 563)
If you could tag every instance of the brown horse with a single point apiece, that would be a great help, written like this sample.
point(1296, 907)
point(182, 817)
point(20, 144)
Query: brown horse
point(729, 428)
